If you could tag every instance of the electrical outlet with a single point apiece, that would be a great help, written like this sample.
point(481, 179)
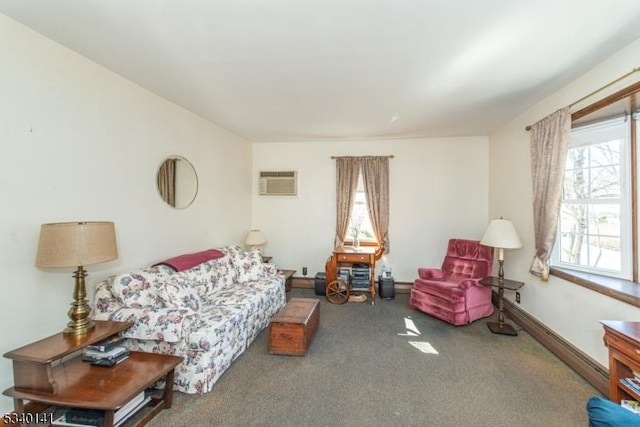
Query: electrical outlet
point(304, 271)
point(518, 297)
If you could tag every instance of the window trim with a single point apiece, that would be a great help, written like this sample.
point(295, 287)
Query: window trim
point(625, 201)
point(626, 291)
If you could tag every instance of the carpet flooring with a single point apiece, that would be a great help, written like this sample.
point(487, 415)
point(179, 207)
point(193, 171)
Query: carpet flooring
point(388, 365)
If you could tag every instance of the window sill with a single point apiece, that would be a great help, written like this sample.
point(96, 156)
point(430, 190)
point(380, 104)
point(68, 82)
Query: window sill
point(620, 289)
point(365, 243)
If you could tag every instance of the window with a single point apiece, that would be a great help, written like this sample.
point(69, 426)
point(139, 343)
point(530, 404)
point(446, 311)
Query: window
point(359, 222)
point(594, 230)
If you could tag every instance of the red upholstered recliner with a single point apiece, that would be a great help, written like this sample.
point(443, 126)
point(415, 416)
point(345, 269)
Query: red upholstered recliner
point(452, 293)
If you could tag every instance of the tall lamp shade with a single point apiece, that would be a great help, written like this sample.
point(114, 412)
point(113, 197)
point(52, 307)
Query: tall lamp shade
point(501, 234)
point(76, 244)
point(255, 239)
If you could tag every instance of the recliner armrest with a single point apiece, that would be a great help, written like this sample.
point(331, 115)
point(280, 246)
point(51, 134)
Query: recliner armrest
point(431, 273)
point(469, 283)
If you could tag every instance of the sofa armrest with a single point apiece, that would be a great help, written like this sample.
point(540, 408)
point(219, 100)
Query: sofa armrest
point(430, 273)
point(269, 269)
point(105, 303)
point(160, 324)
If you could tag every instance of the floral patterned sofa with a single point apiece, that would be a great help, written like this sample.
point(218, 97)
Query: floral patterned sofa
point(208, 314)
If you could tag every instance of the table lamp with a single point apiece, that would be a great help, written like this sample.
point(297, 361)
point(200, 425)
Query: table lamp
point(76, 244)
point(255, 239)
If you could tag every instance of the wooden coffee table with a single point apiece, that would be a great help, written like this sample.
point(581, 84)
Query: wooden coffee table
point(41, 379)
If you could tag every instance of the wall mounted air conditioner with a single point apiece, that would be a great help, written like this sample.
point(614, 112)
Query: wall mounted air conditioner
point(278, 183)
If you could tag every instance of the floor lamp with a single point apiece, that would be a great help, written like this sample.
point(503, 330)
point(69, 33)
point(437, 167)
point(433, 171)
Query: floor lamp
point(501, 234)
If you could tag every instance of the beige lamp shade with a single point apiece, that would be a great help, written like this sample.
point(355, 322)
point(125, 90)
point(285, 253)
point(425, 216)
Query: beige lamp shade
point(255, 238)
point(73, 244)
point(501, 233)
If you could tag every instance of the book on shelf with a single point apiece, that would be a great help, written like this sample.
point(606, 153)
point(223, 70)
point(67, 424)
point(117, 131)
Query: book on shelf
point(632, 405)
point(81, 417)
point(632, 383)
point(76, 417)
point(107, 344)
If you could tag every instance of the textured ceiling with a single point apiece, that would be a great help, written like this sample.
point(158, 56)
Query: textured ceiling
point(301, 70)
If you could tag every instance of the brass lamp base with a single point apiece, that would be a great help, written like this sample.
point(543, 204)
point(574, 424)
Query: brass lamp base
point(79, 329)
point(80, 322)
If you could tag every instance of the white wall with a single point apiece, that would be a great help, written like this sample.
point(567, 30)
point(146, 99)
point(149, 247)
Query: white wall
point(570, 310)
point(438, 190)
point(80, 143)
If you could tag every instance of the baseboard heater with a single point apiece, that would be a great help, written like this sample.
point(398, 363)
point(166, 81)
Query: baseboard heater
point(585, 366)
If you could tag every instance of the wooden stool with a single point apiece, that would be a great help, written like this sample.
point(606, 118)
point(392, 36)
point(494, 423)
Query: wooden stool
point(292, 329)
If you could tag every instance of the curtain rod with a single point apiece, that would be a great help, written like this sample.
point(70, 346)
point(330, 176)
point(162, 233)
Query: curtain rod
point(391, 156)
point(589, 95)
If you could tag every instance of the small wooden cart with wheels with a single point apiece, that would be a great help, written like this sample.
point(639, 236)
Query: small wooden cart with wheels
point(337, 291)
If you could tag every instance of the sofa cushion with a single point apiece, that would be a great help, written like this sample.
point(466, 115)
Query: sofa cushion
point(248, 265)
point(140, 288)
point(221, 326)
point(176, 292)
point(210, 276)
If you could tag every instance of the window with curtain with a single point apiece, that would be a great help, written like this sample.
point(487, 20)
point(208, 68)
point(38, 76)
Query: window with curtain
point(359, 221)
point(362, 200)
point(595, 223)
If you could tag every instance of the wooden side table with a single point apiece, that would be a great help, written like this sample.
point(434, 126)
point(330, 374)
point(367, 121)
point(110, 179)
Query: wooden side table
point(43, 376)
point(500, 327)
point(288, 278)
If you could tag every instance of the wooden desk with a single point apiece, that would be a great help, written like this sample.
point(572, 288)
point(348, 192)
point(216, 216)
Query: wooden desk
point(348, 255)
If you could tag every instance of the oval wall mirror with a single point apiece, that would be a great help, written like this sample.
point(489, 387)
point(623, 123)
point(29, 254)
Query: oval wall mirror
point(177, 182)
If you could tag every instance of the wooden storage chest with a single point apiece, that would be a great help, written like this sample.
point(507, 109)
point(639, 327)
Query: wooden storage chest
point(292, 329)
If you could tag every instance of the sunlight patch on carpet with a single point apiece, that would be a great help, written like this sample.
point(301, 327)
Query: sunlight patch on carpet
point(424, 347)
point(412, 329)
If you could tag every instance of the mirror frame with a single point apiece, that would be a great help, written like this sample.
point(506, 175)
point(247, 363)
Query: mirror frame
point(181, 183)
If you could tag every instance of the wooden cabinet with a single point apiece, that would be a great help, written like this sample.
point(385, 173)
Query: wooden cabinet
point(623, 340)
point(51, 372)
